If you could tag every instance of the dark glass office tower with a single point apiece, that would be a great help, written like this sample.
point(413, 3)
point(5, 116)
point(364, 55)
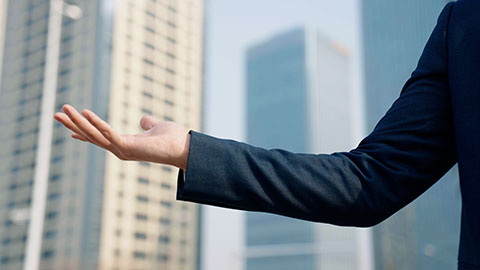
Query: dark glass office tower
point(424, 235)
point(298, 99)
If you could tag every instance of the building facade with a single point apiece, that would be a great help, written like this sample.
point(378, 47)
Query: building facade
point(298, 100)
point(123, 59)
point(394, 34)
point(3, 10)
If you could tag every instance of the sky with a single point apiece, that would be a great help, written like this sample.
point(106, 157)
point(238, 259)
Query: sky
point(231, 27)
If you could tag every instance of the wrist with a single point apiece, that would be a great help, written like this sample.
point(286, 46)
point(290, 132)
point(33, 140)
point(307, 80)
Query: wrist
point(184, 155)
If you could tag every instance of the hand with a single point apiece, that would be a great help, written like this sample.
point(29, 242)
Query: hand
point(162, 142)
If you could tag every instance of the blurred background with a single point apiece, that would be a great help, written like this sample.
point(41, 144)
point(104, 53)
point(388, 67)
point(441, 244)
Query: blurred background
point(306, 76)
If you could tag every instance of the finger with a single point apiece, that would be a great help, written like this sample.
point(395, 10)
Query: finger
point(147, 122)
point(86, 128)
point(65, 120)
point(79, 137)
point(103, 127)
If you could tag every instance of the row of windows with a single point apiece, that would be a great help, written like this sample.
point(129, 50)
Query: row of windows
point(29, 37)
point(150, 79)
point(151, 14)
point(17, 168)
point(160, 257)
point(11, 204)
point(14, 186)
point(8, 240)
point(23, 117)
point(150, 96)
point(151, 46)
point(162, 220)
point(139, 216)
point(151, 30)
point(4, 260)
point(19, 135)
point(28, 53)
point(23, 101)
point(25, 85)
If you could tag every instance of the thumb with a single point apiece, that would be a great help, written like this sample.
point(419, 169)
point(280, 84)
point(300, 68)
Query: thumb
point(147, 122)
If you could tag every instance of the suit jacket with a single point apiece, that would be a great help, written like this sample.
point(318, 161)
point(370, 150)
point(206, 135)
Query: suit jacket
point(433, 124)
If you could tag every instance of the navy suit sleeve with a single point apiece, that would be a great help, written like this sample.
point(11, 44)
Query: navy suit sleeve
point(408, 151)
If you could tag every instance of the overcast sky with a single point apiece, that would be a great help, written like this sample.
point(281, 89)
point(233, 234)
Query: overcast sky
point(231, 27)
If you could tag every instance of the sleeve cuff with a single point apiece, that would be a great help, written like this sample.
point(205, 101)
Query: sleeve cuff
point(205, 167)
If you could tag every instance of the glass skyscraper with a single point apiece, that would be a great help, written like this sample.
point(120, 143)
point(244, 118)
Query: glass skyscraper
point(298, 99)
point(425, 234)
point(122, 59)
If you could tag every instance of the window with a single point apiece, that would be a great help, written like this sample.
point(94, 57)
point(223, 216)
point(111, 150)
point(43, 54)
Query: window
point(11, 205)
point(141, 217)
point(139, 255)
point(166, 186)
point(53, 196)
point(67, 38)
point(141, 236)
point(62, 89)
point(47, 254)
point(149, 29)
point(165, 221)
point(148, 95)
point(164, 239)
point(146, 111)
point(149, 13)
point(57, 159)
point(142, 180)
point(169, 86)
point(64, 72)
point(148, 45)
point(52, 215)
point(166, 204)
point(163, 257)
point(6, 241)
point(147, 61)
point(145, 164)
point(169, 70)
point(55, 177)
point(141, 198)
point(50, 234)
point(59, 141)
point(172, 40)
point(147, 78)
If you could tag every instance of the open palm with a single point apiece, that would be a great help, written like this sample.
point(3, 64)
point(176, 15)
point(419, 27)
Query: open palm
point(162, 142)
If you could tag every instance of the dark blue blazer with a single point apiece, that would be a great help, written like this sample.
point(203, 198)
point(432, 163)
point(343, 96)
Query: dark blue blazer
point(432, 125)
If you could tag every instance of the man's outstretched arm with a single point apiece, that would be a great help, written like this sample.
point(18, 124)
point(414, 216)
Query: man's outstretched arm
point(409, 150)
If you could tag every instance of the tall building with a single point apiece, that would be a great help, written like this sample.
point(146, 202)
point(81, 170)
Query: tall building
point(3, 9)
point(298, 100)
point(395, 33)
point(123, 59)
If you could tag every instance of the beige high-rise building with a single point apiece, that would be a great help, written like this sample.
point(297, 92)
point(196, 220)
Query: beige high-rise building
point(122, 59)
